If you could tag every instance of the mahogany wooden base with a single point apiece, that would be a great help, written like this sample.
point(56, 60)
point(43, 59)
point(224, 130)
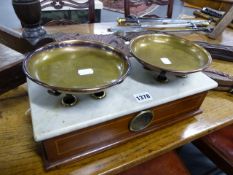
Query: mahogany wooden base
point(94, 139)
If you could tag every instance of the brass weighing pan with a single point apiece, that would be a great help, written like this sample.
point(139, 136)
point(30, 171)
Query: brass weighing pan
point(76, 66)
point(168, 53)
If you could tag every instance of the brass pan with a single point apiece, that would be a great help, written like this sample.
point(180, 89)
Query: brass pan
point(168, 53)
point(76, 66)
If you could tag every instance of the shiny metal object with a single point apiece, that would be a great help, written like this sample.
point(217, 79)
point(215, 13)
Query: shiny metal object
point(142, 21)
point(99, 95)
point(124, 30)
point(168, 53)
point(141, 121)
point(77, 66)
point(69, 100)
point(163, 24)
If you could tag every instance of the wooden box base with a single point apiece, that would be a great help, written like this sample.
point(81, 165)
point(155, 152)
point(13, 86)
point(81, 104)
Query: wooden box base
point(94, 139)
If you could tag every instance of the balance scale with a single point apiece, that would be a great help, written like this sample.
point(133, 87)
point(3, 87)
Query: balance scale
point(137, 106)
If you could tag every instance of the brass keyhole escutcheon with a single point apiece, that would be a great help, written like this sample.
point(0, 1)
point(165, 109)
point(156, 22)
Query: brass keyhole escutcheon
point(141, 121)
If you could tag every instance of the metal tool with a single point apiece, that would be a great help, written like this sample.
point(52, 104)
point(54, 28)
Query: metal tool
point(123, 30)
point(161, 22)
point(212, 12)
point(133, 24)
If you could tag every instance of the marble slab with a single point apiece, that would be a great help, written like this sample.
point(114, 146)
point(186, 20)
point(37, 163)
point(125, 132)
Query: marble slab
point(50, 118)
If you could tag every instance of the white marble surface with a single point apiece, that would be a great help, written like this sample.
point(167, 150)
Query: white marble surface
point(98, 5)
point(51, 119)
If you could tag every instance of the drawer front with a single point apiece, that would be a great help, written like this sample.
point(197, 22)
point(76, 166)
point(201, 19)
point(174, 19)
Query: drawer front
point(97, 138)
